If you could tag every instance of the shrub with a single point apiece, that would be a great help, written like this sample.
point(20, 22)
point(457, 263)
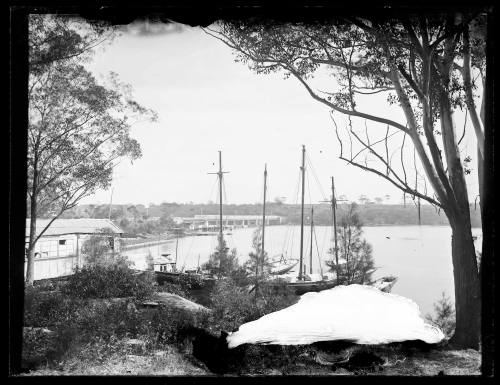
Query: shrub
point(444, 316)
point(45, 309)
point(98, 248)
point(190, 281)
point(359, 264)
point(233, 305)
point(275, 297)
point(168, 325)
point(110, 320)
point(109, 281)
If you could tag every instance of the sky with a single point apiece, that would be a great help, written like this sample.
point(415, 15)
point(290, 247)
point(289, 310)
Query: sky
point(206, 102)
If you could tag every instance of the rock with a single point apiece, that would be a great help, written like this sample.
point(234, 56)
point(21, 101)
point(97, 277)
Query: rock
point(175, 301)
point(149, 304)
point(30, 329)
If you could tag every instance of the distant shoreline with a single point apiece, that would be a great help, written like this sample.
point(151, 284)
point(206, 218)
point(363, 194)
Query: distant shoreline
point(170, 237)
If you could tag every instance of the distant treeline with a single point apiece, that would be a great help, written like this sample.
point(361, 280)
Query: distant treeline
point(137, 219)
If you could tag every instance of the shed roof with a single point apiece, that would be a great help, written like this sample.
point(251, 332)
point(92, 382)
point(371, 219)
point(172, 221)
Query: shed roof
point(73, 226)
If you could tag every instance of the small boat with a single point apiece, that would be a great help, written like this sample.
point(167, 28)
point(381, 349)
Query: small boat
point(165, 268)
point(302, 287)
point(282, 265)
point(384, 284)
point(166, 271)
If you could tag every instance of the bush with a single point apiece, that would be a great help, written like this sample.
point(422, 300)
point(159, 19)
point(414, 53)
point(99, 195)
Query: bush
point(233, 305)
point(45, 309)
point(110, 281)
point(106, 320)
point(444, 316)
point(168, 325)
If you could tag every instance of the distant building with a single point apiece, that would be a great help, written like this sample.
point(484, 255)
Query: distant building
point(211, 222)
point(58, 251)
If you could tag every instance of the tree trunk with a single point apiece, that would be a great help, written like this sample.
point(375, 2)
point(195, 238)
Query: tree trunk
point(467, 289)
point(30, 269)
point(465, 271)
point(480, 179)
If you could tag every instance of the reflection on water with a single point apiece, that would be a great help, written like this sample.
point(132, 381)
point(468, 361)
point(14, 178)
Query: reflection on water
point(420, 256)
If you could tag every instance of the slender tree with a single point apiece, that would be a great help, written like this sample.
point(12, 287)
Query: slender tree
point(357, 264)
point(222, 262)
point(78, 128)
point(418, 63)
point(255, 262)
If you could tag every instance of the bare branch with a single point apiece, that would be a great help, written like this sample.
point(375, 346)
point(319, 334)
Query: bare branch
point(412, 84)
point(405, 190)
point(342, 110)
point(387, 151)
point(402, 160)
point(469, 98)
point(463, 133)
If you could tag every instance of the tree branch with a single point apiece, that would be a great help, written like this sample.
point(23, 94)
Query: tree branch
point(342, 110)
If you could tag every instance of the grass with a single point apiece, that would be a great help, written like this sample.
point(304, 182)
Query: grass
point(67, 335)
point(116, 358)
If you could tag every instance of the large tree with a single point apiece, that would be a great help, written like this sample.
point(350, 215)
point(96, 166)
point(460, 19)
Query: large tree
point(421, 64)
point(79, 129)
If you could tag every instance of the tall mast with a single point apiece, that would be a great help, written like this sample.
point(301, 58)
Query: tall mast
point(219, 174)
point(334, 211)
point(263, 218)
point(311, 249)
point(220, 202)
point(333, 202)
point(303, 169)
point(176, 245)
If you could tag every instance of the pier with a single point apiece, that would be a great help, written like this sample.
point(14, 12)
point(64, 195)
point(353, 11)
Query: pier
point(211, 222)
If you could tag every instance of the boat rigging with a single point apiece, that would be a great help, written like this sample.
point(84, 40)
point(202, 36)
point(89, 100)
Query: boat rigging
point(220, 174)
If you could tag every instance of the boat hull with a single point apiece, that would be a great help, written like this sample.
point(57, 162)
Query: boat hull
point(302, 287)
point(174, 277)
point(283, 269)
point(306, 287)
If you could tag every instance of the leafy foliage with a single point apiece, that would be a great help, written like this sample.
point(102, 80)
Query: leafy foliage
point(233, 305)
point(97, 248)
point(109, 281)
point(444, 316)
point(78, 128)
point(256, 259)
point(370, 213)
point(222, 262)
point(354, 250)
point(45, 309)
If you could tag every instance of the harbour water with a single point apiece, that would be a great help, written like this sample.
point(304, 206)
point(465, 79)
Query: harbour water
point(420, 256)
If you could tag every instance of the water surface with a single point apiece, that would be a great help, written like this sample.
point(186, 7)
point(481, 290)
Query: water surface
point(420, 256)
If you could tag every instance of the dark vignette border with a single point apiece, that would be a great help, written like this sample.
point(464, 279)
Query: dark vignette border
point(116, 12)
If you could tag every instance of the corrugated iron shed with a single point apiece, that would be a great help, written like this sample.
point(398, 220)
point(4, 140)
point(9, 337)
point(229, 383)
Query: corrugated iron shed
point(73, 226)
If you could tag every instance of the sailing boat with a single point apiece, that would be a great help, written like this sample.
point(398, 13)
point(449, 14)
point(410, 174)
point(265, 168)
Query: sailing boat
point(164, 267)
point(282, 265)
point(306, 282)
point(277, 265)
